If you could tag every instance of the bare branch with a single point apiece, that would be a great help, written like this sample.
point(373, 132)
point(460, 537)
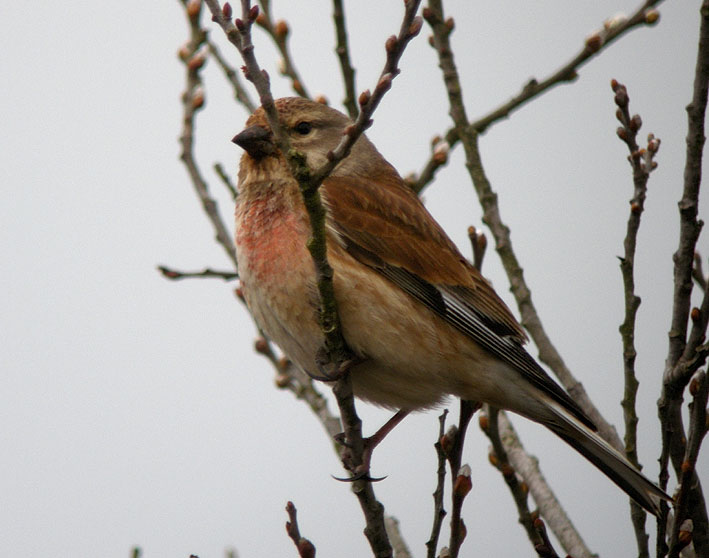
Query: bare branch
point(240, 93)
point(491, 217)
point(699, 389)
point(642, 165)
point(279, 32)
point(192, 101)
point(460, 475)
point(219, 169)
point(438, 511)
point(685, 351)
point(208, 272)
point(549, 507)
point(613, 28)
point(306, 549)
point(343, 55)
point(498, 457)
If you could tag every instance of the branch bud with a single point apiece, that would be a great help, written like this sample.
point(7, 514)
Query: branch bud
point(253, 13)
point(226, 11)
point(239, 24)
point(184, 52)
point(364, 97)
point(283, 363)
point(196, 62)
point(391, 44)
point(261, 345)
point(594, 42)
point(281, 29)
point(322, 99)
point(483, 421)
point(621, 96)
point(448, 439)
point(616, 21)
point(463, 485)
point(198, 98)
point(415, 27)
point(695, 382)
point(696, 315)
point(440, 152)
point(622, 133)
point(450, 24)
point(492, 458)
point(282, 380)
point(614, 84)
point(635, 123)
point(193, 8)
point(384, 82)
point(652, 16)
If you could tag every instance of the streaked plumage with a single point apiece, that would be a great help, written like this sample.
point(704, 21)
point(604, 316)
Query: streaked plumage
point(423, 320)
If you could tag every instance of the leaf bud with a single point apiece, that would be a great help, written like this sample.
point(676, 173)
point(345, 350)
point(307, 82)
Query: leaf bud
point(390, 44)
point(652, 16)
point(281, 29)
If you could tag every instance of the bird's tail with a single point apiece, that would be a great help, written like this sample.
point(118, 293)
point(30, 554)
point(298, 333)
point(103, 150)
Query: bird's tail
point(606, 458)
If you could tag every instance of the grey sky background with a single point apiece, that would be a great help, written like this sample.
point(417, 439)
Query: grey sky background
point(133, 410)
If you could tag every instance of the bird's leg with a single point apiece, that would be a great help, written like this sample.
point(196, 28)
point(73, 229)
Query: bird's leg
point(361, 471)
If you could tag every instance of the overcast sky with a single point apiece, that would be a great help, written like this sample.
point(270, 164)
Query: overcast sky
point(133, 410)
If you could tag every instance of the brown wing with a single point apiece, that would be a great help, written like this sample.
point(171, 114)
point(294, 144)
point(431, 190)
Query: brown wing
point(384, 225)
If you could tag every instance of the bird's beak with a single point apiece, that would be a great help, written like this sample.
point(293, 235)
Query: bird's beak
point(257, 141)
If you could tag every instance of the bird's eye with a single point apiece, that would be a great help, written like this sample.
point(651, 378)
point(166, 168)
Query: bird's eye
point(303, 128)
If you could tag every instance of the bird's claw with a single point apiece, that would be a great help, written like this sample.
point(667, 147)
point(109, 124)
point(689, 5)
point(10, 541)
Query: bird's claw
point(362, 475)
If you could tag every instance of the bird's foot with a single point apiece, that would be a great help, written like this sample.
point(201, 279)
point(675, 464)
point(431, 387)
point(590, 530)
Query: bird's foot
point(330, 371)
point(361, 471)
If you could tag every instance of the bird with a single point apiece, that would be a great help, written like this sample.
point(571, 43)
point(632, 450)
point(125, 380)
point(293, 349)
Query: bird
point(421, 320)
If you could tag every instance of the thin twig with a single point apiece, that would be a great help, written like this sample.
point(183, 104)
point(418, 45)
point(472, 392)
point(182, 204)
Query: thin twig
point(550, 509)
point(208, 272)
point(699, 388)
point(567, 73)
point(544, 548)
point(240, 94)
point(401, 550)
point(439, 511)
point(192, 101)
point(642, 165)
point(219, 169)
point(279, 31)
point(343, 55)
point(460, 475)
point(489, 424)
point(683, 349)
point(501, 233)
point(306, 549)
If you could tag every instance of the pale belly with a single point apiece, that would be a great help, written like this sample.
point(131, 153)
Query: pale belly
point(410, 358)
